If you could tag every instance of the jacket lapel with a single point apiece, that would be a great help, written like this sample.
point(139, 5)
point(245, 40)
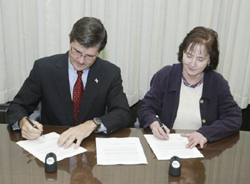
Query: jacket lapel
point(174, 89)
point(208, 85)
point(62, 84)
point(93, 83)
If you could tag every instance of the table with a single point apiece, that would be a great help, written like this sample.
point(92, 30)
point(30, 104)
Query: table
point(225, 161)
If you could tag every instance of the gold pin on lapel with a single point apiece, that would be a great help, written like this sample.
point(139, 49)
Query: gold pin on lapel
point(96, 80)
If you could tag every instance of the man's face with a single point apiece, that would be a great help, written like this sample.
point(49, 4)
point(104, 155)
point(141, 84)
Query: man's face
point(81, 57)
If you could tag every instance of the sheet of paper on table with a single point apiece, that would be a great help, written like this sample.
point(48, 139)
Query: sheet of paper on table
point(47, 143)
point(174, 146)
point(113, 151)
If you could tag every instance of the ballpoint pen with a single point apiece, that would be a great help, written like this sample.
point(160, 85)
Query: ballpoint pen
point(161, 125)
point(32, 124)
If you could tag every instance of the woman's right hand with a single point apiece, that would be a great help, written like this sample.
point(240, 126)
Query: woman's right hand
point(158, 131)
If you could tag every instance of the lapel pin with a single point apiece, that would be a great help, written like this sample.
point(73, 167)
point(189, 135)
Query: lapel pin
point(96, 80)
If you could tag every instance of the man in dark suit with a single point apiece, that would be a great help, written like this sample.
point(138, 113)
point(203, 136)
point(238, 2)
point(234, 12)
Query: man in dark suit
point(103, 106)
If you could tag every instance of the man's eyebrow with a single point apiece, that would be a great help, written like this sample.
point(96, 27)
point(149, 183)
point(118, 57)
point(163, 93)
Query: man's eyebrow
point(77, 50)
point(90, 55)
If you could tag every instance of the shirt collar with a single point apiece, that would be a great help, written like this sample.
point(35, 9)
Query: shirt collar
point(192, 85)
point(71, 68)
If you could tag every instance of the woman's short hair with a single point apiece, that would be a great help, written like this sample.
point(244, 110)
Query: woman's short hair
point(202, 36)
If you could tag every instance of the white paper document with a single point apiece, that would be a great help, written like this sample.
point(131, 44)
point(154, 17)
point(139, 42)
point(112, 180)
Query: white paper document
point(48, 143)
point(174, 146)
point(113, 151)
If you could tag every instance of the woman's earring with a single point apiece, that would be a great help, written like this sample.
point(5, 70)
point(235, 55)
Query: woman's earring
point(208, 66)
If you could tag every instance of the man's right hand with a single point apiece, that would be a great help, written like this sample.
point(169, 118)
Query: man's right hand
point(28, 131)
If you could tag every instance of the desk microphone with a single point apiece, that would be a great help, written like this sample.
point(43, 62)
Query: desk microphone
point(50, 163)
point(175, 166)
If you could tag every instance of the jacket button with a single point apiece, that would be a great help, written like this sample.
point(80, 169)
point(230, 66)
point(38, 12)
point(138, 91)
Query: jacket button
point(201, 101)
point(203, 121)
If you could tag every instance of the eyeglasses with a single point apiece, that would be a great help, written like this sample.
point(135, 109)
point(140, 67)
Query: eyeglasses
point(78, 54)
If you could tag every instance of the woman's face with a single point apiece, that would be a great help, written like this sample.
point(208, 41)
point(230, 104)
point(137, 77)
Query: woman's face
point(195, 61)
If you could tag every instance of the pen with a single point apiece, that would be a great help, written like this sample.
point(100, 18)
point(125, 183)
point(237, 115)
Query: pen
point(161, 125)
point(32, 124)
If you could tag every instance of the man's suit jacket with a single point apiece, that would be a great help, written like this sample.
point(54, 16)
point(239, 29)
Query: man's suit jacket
point(48, 82)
